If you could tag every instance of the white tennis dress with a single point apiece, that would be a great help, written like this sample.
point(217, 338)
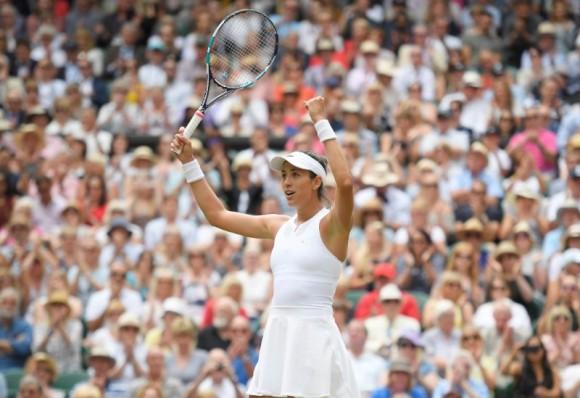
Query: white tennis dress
point(302, 353)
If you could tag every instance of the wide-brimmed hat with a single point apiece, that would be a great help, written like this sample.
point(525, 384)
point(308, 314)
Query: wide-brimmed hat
point(506, 247)
point(58, 297)
point(143, 153)
point(102, 352)
point(43, 358)
point(27, 130)
point(380, 175)
point(19, 220)
point(478, 147)
point(129, 319)
point(350, 106)
point(471, 225)
point(242, 161)
point(526, 193)
point(573, 231)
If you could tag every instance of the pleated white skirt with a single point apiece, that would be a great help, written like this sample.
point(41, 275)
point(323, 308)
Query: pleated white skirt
point(303, 355)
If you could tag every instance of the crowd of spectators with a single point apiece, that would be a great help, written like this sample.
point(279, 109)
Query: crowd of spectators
point(460, 120)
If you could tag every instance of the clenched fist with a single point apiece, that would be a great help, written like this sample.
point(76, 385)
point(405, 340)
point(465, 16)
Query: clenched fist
point(316, 108)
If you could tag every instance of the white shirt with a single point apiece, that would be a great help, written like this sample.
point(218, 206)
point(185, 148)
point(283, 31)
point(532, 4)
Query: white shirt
point(155, 229)
point(49, 91)
point(497, 161)
point(111, 119)
point(369, 370)
point(358, 80)
point(483, 317)
point(476, 115)
point(99, 301)
point(69, 127)
point(256, 287)
point(255, 113)
point(381, 332)
point(408, 75)
point(48, 216)
point(152, 76)
point(177, 94)
point(555, 202)
point(223, 390)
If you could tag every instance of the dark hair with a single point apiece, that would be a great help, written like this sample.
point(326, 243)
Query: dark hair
point(323, 162)
point(103, 182)
point(527, 381)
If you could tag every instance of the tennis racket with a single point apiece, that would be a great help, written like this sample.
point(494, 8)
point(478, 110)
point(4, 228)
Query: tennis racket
point(240, 51)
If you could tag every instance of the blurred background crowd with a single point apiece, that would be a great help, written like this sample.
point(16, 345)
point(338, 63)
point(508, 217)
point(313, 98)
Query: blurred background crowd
point(460, 120)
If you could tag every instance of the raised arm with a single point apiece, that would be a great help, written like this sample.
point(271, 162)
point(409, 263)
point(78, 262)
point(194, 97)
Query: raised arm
point(340, 216)
point(264, 227)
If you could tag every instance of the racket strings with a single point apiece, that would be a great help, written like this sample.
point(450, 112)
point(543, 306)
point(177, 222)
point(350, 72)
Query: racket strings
point(242, 50)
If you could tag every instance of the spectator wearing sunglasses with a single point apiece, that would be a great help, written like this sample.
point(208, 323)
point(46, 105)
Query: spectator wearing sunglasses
point(484, 365)
point(410, 347)
point(562, 344)
point(532, 373)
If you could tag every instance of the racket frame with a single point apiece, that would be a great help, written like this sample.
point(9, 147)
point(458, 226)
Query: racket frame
point(205, 104)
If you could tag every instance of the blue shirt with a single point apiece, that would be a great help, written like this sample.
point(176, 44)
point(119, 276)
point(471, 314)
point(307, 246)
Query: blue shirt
point(415, 392)
point(240, 369)
point(552, 242)
point(443, 387)
point(464, 180)
point(19, 335)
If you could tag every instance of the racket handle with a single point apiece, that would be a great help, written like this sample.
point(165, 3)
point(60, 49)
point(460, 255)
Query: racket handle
point(193, 123)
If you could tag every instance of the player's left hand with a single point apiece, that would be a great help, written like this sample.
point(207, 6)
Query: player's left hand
point(316, 108)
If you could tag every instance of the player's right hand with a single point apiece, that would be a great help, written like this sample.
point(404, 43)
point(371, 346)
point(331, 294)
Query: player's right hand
point(181, 147)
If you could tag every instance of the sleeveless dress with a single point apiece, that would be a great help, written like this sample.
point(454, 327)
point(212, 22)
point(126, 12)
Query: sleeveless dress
point(302, 352)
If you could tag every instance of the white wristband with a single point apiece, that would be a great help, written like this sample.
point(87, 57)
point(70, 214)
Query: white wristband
point(192, 171)
point(324, 130)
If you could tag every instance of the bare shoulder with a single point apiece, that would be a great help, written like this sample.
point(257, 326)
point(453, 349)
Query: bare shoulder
point(275, 221)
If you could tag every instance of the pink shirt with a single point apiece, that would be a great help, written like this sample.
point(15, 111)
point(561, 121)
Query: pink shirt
point(547, 138)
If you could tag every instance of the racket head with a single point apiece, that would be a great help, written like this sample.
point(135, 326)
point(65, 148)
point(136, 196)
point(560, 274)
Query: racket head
point(241, 49)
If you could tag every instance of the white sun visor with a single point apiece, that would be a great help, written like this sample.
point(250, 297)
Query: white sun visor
point(299, 160)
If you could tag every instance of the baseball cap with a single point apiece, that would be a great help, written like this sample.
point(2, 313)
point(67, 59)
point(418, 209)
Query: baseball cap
point(175, 305)
point(385, 270)
point(412, 336)
point(472, 79)
point(156, 44)
point(390, 292)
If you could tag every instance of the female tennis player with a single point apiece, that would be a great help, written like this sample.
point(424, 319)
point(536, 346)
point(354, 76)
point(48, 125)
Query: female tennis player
point(302, 353)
